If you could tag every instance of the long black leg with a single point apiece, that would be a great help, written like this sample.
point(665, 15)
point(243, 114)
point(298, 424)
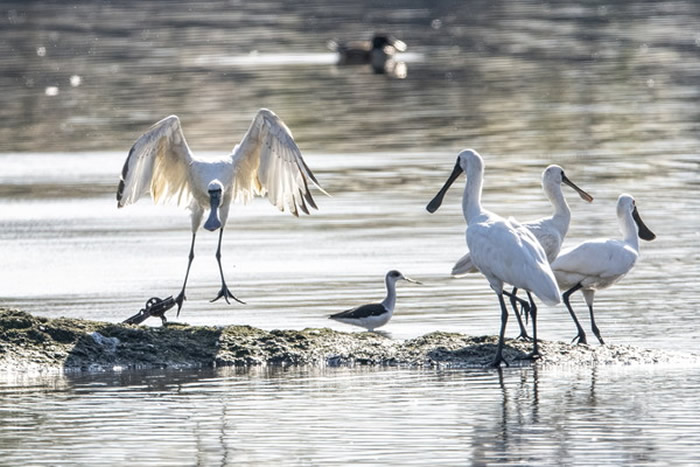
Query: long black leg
point(514, 303)
point(596, 331)
point(523, 303)
point(533, 314)
point(501, 337)
point(224, 292)
point(581, 333)
point(181, 296)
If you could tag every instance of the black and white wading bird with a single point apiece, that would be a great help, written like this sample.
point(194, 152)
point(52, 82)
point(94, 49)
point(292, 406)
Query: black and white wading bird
point(598, 264)
point(549, 231)
point(503, 250)
point(267, 162)
point(375, 315)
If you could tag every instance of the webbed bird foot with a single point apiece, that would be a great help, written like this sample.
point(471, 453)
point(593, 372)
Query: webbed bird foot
point(581, 337)
point(225, 293)
point(597, 334)
point(524, 336)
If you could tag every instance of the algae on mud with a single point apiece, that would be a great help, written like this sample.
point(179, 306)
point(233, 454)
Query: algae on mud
point(32, 343)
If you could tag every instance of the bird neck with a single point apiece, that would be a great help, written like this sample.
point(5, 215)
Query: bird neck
point(562, 214)
point(471, 200)
point(629, 229)
point(390, 301)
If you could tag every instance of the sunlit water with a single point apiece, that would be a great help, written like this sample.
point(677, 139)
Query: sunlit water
point(608, 91)
point(68, 251)
point(577, 416)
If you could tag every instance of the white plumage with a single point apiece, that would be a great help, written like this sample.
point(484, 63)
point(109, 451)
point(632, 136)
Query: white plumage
point(598, 264)
point(502, 249)
point(267, 162)
point(550, 231)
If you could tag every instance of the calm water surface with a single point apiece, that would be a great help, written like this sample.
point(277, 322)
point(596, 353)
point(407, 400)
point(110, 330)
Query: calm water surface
point(576, 416)
point(607, 90)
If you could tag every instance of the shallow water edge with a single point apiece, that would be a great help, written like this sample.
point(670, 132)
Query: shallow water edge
point(31, 343)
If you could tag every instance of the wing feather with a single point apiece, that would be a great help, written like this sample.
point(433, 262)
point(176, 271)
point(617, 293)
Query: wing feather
point(464, 266)
point(362, 311)
point(268, 163)
point(158, 164)
point(302, 203)
point(599, 258)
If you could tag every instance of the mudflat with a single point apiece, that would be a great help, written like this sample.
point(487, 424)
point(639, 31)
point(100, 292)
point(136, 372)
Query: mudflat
point(35, 343)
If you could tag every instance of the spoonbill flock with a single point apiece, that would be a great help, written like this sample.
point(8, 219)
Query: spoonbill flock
point(507, 252)
point(549, 231)
point(503, 250)
point(267, 162)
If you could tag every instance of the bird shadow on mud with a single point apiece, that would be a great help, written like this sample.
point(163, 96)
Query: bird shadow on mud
point(481, 353)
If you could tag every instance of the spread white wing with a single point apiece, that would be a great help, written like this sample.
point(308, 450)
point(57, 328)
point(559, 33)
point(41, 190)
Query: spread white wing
point(157, 164)
point(268, 163)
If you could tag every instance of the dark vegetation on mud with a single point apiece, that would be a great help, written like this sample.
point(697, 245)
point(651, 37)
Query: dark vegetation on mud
point(31, 343)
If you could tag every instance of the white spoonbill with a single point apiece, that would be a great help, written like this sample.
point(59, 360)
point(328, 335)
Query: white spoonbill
point(374, 315)
point(598, 264)
point(502, 249)
point(267, 162)
point(549, 231)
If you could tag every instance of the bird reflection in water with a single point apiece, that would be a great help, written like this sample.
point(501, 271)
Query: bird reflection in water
point(517, 424)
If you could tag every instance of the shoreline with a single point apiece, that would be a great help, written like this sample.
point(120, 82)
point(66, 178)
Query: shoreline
point(30, 343)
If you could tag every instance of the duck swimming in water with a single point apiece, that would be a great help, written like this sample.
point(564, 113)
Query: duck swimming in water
point(377, 52)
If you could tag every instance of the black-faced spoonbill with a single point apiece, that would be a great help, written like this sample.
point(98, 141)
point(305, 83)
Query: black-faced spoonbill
point(375, 315)
point(598, 264)
point(502, 249)
point(267, 162)
point(549, 231)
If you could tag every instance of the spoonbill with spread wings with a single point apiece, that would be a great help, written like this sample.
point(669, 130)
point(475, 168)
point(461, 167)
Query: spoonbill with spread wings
point(267, 162)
